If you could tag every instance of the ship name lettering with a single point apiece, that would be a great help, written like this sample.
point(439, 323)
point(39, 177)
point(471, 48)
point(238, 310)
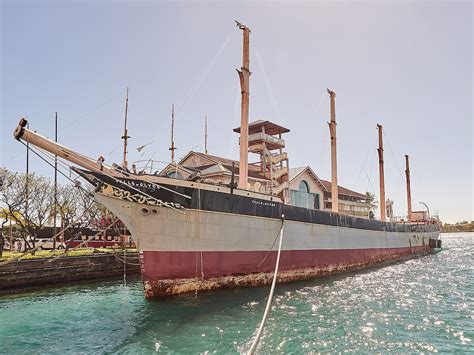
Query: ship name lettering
point(264, 203)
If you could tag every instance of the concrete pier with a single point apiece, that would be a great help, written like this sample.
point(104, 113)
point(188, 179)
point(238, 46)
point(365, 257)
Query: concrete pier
point(38, 273)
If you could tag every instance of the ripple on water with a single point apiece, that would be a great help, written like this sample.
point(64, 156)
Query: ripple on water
point(422, 305)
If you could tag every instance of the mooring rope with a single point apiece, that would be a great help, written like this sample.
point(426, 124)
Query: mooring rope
point(270, 296)
point(271, 248)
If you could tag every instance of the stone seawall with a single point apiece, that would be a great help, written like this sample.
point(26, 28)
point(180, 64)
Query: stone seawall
point(37, 273)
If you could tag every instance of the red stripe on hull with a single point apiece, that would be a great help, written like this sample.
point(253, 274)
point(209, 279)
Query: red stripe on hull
point(170, 265)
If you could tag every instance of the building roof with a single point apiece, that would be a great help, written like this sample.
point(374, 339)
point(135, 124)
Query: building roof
point(326, 185)
point(270, 128)
point(294, 172)
point(224, 161)
point(253, 171)
point(342, 190)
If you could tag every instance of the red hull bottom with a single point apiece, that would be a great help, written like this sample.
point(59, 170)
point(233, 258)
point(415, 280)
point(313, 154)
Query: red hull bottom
point(169, 273)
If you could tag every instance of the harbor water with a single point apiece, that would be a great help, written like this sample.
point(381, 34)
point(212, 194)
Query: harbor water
point(421, 305)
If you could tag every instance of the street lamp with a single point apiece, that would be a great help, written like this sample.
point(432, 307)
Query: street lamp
point(429, 217)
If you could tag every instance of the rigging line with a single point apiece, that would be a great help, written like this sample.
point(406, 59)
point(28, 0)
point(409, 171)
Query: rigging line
point(393, 156)
point(320, 102)
point(53, 157)
point(371, 169)
point(273, 101)
point(67, 167)
point(59, 170)
point(149, 160)
point(372, 186)
point(197, 84)
point(270, 296)
point(360, 171)
point(371, 172)
point(123, 183)
point(87, 193)
point(76, 120)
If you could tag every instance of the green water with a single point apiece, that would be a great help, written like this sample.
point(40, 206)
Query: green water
point(422, 305)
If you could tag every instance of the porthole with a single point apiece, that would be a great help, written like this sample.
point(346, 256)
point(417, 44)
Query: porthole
point(154, 211)
point(145, 211)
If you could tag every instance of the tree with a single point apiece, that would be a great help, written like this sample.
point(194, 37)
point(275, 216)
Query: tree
point(28, 199)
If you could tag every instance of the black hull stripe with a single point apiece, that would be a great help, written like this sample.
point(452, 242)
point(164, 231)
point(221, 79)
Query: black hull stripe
point(244, 205)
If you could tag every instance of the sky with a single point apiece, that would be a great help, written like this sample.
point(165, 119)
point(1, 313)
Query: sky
point(407, 65)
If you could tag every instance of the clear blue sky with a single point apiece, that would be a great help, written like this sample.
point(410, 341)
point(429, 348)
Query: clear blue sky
point(407, 65)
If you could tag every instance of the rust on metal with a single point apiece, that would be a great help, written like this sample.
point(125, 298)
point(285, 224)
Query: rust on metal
point(381, 175)
point(332, 130)
point(166, 288)
point(244, 76)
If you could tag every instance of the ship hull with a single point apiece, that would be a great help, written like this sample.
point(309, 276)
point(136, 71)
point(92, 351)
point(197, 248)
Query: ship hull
point(185, 250)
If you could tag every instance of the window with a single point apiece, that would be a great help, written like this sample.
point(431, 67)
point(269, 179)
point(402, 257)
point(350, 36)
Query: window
point(175, 174)
point(304, 187)
point(317, 205)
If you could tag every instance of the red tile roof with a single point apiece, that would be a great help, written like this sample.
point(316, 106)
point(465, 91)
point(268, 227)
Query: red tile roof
point(342, 190)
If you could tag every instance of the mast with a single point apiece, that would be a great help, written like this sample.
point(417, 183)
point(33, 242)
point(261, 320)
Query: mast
point(381, 175)
point(125, 134)
point(172, 148)
point(244, 75)
point(407, 172)
point(205, 135)
point(332, 131)
point(23, 133)
point(55, 180)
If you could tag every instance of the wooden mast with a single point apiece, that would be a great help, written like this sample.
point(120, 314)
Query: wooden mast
point(125, 134)
point(244, 75)
point(381, 175)
point(172, 148)
point(332, 131)
point(407, 172)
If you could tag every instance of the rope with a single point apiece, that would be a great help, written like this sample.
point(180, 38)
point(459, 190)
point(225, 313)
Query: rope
point(202, 77)
point(369, 181)
point(124, 261)
point(360, 171)
point(47, 162)
point(273, 101)
point(393, 156)
point(270, 296)
point(271, 248)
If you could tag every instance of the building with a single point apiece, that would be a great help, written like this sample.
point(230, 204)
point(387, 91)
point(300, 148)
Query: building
point(306, 189)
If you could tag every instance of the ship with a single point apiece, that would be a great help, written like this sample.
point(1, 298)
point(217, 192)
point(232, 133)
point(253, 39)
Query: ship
point(201, 226)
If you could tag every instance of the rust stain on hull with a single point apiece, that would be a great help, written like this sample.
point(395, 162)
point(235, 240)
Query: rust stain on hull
point(166, 288)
